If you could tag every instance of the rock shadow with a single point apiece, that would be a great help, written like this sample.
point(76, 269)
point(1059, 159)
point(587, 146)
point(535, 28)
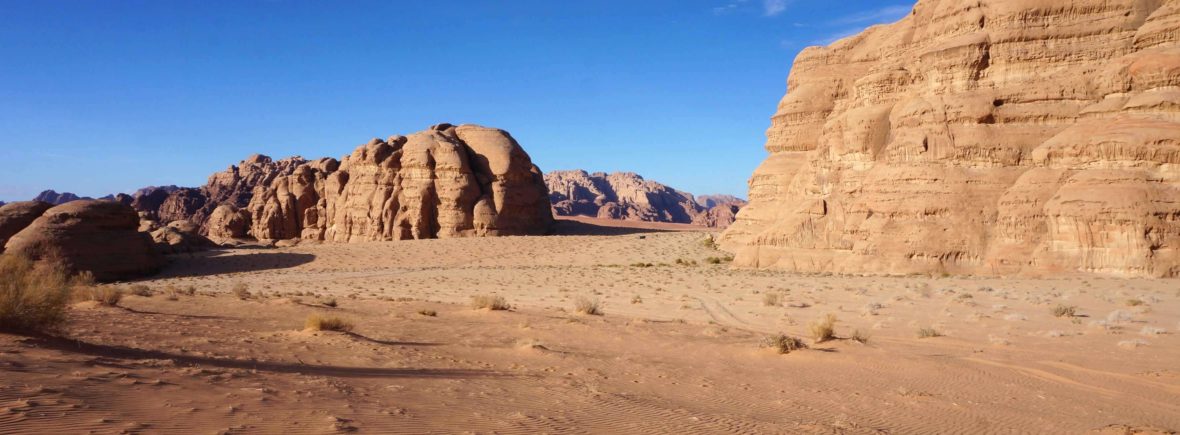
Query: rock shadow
point(218, 262)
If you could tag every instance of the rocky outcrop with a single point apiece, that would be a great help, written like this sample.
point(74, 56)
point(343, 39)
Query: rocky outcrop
point(227, 223)
point(178, 237)
point(994, 137)
point(87, 235)
point(18, 215)
point(443, 182)
point(628, 196)
point(447, 181)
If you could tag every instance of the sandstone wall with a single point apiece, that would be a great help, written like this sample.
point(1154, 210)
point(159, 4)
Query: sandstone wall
point(980, 137)
point(628, 196)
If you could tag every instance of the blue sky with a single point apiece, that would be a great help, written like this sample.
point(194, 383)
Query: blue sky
point(99, 97)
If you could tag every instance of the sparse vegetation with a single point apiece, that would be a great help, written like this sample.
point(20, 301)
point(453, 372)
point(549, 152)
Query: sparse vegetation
point(141, 290)
point(317, 322)
point(637, 300)
point(859, 336)
point(783, 343)
point(428, 313)
point(109, 296)
point(242, 291)
point(33, 296)
point(771, 299)
point(642, 264)
point(489, 302)
point(928, 333)
point(718, 260)
point(1065, 311)
point(588, 306)
point(823, 329)
point(1134, 302)
point(330, 302)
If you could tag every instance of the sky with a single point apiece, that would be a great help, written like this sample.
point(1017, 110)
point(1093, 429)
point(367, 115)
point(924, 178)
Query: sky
point(100, 97)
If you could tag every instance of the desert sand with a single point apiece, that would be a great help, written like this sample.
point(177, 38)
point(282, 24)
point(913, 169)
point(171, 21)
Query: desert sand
point(677, 349)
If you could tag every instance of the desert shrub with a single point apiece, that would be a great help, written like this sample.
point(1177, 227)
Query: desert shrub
point(928, 333)
point(823, 329)
point(783, 343)
point(241, 290)
point(1065, 311)
point(637, 299)
point(109, 296)
point(141, 290)
point(428, 313)
point(642, 264)
point(33, 296)
point(718, 260)
point(1134, 302)
point(329, 302)
point(771, 299)
point(189, 291)
point(317, 322)
point(859, 336)
point(588, 306)
point(489, 302)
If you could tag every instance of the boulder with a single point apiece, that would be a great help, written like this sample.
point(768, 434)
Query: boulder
point(88, 235)
point(18, 215)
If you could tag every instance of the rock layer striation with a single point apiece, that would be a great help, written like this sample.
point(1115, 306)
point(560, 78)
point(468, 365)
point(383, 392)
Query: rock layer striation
point(980, 137)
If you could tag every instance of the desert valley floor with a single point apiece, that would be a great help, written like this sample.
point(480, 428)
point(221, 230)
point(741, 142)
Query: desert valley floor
point(677, 350)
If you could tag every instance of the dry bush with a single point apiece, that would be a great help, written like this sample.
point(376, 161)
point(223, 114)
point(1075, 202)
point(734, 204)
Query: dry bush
point(428, 313)
point(1134, 302)
point(1065, 311)
point(588, 306)
point(109, 296)
point(189, 291)
point(141, 290)
point(316, 322)
point(823, 329)
point(859, 336)
point(771, 299)
point(783, 343)
point(330, 303)
point(241, 291)
point(33, 296)
point(489, 302)
point(928, 333)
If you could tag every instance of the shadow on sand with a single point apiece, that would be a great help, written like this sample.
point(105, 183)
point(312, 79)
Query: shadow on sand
point(217, 262)
point(566, 227)
point(120, 352)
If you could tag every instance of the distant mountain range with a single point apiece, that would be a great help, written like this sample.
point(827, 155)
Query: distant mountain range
point(628, 196)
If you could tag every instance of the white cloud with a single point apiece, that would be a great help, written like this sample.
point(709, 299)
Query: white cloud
point(774, 7)
point(728, 7)
point(882, 15)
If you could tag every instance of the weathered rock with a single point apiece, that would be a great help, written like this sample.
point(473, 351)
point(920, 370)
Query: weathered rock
point(182, 204)
point(18, 215)
point(993, 137)
point(628, 196)
point(89, 235)
point(227, 222)
point(179, 237)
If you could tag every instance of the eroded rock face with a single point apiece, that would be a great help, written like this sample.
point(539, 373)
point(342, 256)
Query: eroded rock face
point(227, 223)
point(443, 182)
point(628, 196)
point(991, 137)
point(18, 215)
point(88, 235)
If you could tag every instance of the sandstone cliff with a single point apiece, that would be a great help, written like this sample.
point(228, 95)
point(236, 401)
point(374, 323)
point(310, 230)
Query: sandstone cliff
point(980, 137)
point(628, 196)
point(446, 181)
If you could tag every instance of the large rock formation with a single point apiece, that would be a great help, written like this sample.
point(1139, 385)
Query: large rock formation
point(627, 196)
point(443, 182)
point(18, 215)
point(980, 137)
point(87, 235)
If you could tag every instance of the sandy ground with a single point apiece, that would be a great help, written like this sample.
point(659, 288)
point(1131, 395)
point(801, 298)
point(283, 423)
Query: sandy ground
point(677, 350)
